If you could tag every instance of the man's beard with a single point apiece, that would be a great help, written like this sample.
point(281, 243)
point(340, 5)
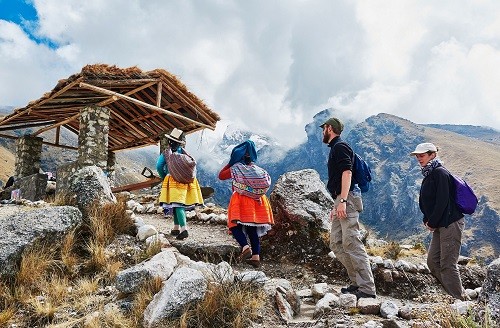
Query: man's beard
point(326, 138)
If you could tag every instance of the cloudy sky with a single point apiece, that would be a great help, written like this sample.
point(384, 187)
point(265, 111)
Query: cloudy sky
point(271, 65)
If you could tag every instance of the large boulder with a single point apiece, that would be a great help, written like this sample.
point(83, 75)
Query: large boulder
point(183, 287)
point(301, 205)
point(90, 186)
point(22, 229)
point(161, 265)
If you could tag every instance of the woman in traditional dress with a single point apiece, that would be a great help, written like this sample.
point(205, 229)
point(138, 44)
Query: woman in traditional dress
point(180, 190)
point(249, 212)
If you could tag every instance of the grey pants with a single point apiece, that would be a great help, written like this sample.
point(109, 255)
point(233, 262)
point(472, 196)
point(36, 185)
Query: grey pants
point(442, 257)
point(345, 242)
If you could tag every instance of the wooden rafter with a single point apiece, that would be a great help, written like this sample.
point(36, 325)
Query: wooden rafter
point(138, 102)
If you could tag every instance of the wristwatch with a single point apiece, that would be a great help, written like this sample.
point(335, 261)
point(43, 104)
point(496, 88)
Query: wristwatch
point(342, 200)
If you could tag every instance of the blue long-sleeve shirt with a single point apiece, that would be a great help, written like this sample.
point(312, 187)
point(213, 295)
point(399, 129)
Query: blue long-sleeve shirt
point(161, 166)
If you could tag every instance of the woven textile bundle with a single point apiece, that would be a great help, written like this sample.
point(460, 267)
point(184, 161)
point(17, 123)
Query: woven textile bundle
point(181, 166)
point(250, 180)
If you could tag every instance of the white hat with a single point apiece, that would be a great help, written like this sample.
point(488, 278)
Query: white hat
point(424, 148)
point(177, 135)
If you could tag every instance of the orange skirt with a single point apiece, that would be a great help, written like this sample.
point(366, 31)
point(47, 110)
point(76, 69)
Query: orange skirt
point(245, 210)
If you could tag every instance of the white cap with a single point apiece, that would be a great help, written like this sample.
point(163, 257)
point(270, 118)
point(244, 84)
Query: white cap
point(424, 148)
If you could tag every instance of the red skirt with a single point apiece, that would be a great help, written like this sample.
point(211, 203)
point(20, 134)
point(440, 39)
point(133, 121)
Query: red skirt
point(245, 210)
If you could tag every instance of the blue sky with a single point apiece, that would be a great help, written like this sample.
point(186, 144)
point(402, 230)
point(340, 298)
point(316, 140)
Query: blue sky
point(270, 66)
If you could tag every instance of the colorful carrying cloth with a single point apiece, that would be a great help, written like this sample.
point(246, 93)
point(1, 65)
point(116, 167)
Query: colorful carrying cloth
point(247, 211)
point(181, 166)
point(184, 194)
point(250, 180)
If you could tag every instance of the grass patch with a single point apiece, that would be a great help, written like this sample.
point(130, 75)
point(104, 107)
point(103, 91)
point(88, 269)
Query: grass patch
point(225, 305)
point(391, 250)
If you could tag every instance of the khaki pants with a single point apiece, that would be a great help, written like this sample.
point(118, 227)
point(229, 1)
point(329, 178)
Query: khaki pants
point(442, 257)
point(345, 242)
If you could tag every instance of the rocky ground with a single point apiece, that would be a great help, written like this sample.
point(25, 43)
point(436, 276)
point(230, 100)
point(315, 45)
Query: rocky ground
point(302, 272)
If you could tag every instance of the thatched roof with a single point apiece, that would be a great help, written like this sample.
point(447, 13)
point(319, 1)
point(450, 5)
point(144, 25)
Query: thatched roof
point(143, 105)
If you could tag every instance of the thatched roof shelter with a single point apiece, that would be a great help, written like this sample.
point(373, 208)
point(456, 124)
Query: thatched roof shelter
point(143, 105)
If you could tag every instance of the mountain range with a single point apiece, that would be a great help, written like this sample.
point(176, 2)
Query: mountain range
point(384, 141)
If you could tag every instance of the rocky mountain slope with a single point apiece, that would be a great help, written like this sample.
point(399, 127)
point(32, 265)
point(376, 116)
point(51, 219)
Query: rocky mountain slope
point(384, 141)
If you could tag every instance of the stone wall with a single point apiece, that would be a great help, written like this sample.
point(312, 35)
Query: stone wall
point(28, 153)
point(31, 187)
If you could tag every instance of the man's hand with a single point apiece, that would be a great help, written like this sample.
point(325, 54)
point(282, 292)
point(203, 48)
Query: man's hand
point(342, 210)
point(429, 228)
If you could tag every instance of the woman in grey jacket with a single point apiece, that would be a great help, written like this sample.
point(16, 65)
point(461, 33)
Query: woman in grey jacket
point(442, 218)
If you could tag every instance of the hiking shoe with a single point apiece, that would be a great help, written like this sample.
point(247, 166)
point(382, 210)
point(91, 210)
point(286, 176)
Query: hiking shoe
point(175, 232)
point(348, 289)
point(247, 253)
point(182, 235)
point(359, 294)
point(254, 263)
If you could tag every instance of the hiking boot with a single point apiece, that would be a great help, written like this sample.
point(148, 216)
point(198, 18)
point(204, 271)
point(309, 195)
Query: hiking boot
point(254, 263)
point(182, 235)
point(247, 253)
point(175, 232)
point(359, 294)
point(348, 289)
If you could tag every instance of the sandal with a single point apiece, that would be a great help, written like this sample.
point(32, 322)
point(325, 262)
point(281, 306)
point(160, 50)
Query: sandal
point(175, 232)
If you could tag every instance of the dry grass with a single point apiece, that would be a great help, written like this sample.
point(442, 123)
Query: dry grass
point(37, 261)
point(61, 198)
point(444, 316)
point(224, 305)
point(390, 251)
point(143, 297)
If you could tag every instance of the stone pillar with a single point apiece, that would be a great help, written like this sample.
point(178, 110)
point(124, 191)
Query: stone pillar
point(28, 154)
point(110, 170)
point(93, 137)
point(163, 141)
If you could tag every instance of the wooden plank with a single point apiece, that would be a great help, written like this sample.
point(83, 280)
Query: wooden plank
point(69, 86)
point(138, 102)
point(140, 185)
point(56, 125)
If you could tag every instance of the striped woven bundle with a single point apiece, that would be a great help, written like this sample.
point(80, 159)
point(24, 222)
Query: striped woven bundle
point(182, 167)
point(250, 180)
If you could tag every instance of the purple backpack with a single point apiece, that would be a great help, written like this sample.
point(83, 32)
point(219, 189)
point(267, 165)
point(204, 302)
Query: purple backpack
point(464, 196)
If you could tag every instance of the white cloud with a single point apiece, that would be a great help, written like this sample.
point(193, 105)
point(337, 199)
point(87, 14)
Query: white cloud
point(270, 66)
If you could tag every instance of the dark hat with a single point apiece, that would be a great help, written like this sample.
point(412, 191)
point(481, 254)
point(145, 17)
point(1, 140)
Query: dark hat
point(335, 123)
point(177, 135)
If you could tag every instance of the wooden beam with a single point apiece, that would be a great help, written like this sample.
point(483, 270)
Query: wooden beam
point(24, 126)
point(56, 125)
point(115, 98)
point(172, 87)
point(63, 90)
point(138, 102)
point(59, 146)
point(7, 136)
point(158, 94)
point(124, 120)
point(58, 133)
